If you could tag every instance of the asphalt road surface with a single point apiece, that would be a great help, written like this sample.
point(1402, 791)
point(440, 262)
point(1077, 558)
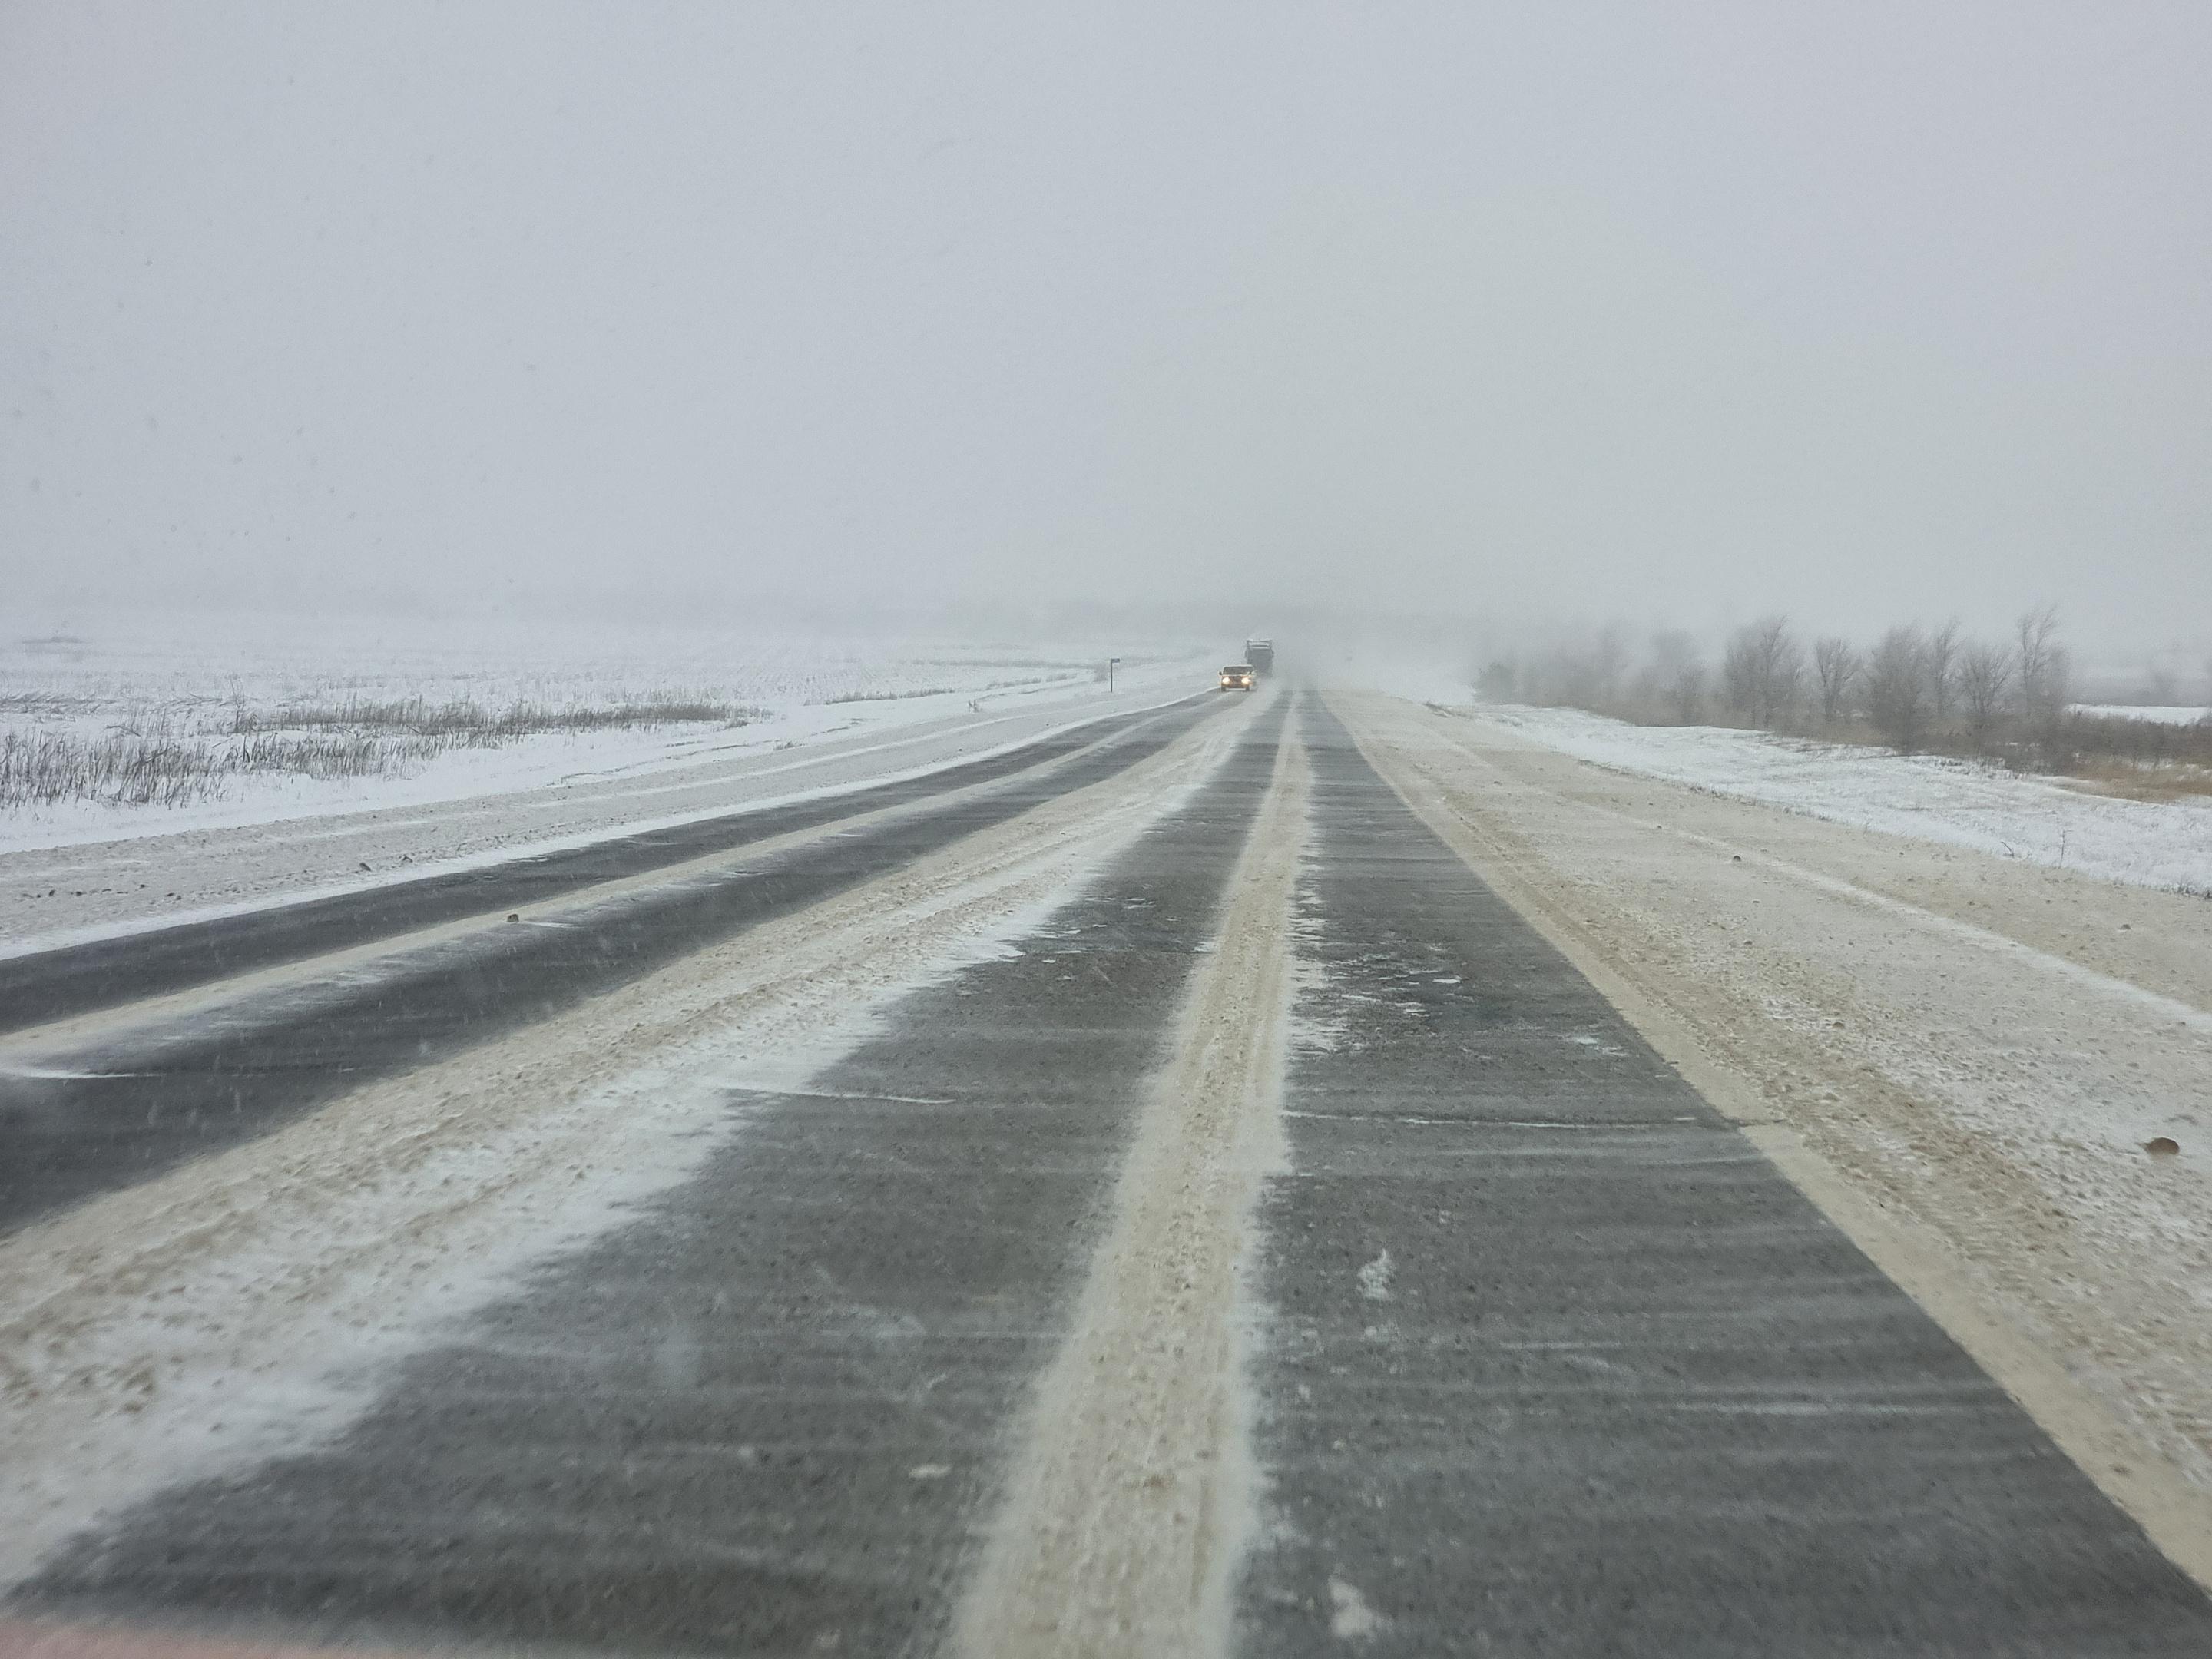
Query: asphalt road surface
point(103, 973)
point(1540, 1355)
point(98, 1114)
point(1557, 1362)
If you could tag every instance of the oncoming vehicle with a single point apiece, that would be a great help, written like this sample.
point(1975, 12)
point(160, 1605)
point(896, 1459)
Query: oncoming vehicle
point(1239, 677)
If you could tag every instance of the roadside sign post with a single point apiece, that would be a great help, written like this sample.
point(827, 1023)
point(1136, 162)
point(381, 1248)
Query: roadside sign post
point(1111, 664)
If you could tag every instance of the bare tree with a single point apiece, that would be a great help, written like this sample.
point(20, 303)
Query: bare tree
point(1582, 673)
point(1897, 688)
point(1739, 675)
point(1942, 653)
point(1672, 681)
point(1835, 667)
point(1686, 693)
point(1671, 648)
point(1985, 683)
point(1607, 658)
point(2041, 672)
point(2043, 677)
point(1763, 670)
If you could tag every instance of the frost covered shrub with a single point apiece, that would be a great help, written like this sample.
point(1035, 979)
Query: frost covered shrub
point(135, 768)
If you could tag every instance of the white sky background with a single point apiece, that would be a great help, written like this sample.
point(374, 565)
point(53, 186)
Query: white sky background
point(1674, 313)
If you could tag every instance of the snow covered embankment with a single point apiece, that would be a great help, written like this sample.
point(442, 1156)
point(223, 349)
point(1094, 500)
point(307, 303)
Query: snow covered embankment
point(1958, 803)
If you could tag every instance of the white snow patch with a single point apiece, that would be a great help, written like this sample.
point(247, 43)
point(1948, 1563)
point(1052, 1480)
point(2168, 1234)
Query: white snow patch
point(1350, 1617)
point(2187, 714)
point(1957, 803)
point(1374, 1279)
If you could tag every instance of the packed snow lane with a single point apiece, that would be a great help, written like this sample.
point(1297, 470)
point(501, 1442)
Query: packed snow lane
point(770, 1412)
point(101, 973)
point(96, 1114)
point(1553, 1360)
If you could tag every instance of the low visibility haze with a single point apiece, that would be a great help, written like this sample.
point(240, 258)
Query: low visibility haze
point(1675, 314)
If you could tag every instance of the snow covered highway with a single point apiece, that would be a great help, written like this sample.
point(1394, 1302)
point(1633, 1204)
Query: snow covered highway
point(86, 1112)
point(1169, 832)
point(1176, 1187)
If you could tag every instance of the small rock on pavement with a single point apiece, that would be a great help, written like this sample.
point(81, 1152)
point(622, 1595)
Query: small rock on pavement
point(2162, 1147)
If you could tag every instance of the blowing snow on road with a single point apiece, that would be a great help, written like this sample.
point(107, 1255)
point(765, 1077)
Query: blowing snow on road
point(1272, 1174)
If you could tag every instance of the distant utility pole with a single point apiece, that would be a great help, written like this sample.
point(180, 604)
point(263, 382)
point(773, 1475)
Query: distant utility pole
point(1112, 663)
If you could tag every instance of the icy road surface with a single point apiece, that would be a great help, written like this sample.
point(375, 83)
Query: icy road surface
point(1171, 1194)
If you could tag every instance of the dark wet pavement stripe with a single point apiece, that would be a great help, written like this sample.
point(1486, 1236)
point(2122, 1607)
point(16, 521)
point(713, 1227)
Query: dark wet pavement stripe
point(114, 1113)
point(1588, 1374)
point(45, 986)
point(771, 1412)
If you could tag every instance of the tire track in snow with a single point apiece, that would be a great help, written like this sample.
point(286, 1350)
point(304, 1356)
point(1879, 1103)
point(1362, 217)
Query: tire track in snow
point(1134, 1492)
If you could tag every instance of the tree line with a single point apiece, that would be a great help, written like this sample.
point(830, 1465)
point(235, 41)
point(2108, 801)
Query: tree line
point(1914, 689)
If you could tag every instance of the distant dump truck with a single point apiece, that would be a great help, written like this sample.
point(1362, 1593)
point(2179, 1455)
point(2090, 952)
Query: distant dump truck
point(1261, 653)
point(1239, 677)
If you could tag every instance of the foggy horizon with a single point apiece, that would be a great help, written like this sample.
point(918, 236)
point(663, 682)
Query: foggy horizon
point(1487, 322)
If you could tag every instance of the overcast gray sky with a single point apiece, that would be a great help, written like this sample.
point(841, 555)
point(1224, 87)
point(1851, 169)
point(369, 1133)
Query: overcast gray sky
point(1679, 311)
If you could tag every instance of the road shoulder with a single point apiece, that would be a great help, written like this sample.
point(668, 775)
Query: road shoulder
point(1894, 1070)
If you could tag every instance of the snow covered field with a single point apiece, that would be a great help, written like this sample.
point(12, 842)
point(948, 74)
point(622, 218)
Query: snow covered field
point(347, 717)
point(1957, 803)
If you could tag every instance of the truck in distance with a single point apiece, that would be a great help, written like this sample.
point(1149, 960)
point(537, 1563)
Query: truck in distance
point(1261, 653)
